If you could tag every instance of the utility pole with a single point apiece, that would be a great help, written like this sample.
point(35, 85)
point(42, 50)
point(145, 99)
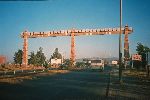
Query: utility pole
point(120, 45)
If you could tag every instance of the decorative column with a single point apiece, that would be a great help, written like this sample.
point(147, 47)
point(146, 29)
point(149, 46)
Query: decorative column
point(25, 49)
point(72, 52)
point(126, 44)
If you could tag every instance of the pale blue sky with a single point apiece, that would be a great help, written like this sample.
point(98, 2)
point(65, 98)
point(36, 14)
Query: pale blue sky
point(16, 17)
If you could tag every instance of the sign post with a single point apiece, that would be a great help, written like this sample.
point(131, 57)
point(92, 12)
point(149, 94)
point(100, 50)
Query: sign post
point(136, 57)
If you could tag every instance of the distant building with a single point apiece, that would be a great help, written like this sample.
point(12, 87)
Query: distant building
point(96, 63)
point(79, 60)
point(2, 60)
point(114, 62)
point(55, 62)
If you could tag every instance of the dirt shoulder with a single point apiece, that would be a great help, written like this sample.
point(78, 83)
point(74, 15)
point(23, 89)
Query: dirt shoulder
point(18, 79)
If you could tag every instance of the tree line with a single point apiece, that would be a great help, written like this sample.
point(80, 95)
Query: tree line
point(143, 51)
point(39, 59)
point(36, 59)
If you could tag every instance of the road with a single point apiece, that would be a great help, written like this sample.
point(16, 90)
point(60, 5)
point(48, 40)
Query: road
point(74, 85)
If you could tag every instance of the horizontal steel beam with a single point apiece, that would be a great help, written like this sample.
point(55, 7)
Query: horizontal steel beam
point(76, 32)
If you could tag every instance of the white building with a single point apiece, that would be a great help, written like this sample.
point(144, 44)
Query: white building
point(55, 62)
point(114, 62)
point(97, 63)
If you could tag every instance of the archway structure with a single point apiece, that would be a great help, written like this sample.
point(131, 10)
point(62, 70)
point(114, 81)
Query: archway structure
point(74, 32)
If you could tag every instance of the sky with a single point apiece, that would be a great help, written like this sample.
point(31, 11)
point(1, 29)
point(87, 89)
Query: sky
point(18, 16)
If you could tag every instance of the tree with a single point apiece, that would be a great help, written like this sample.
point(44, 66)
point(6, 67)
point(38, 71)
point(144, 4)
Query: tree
point(18, 57)
point(80, 64)
point(67, 63)
point(147, 50)
point(32, 59)
point(140, 48)
point(45, 64)
point(56, 54)
point(40, 57)
point(143, 50)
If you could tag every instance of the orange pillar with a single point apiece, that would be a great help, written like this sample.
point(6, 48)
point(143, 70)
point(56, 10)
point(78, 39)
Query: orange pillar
point(25, 49)
point(126, 44)
point(72, 52)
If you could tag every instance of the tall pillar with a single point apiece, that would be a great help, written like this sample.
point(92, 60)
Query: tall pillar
point(72, 52)
point(25, 49)
point(126, 44)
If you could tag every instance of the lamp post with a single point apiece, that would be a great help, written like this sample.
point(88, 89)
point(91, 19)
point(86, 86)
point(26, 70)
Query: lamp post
point(120, 45)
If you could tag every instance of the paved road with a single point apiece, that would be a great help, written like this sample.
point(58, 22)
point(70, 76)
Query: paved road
point(73, 85)
point(83, 85)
